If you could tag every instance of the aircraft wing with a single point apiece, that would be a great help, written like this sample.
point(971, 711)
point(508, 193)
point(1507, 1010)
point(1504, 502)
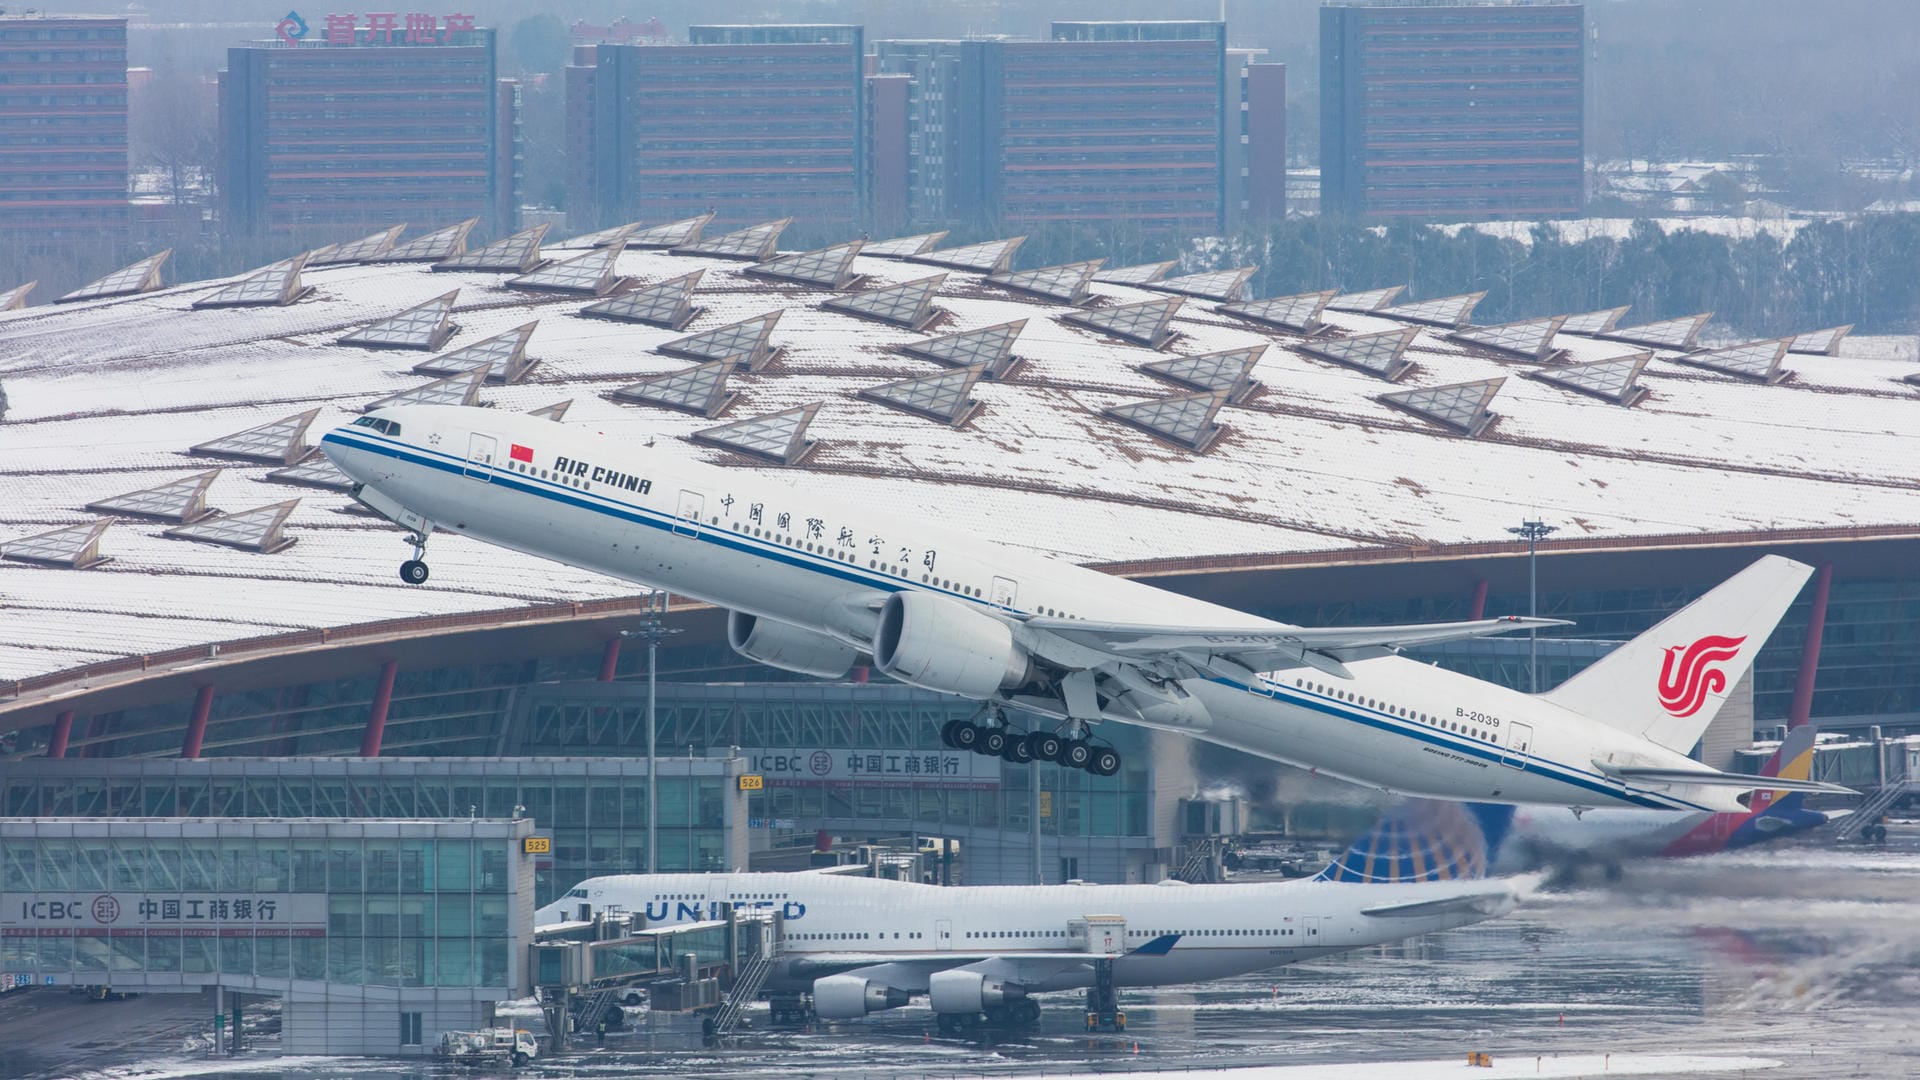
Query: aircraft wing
point(1007, 965)
point(1253, 649)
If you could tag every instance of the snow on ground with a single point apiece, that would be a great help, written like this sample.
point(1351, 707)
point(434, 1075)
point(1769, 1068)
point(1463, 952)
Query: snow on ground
point(1505, 1067)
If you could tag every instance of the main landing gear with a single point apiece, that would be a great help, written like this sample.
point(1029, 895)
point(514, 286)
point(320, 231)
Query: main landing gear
point(997, 739)
point(414, 570)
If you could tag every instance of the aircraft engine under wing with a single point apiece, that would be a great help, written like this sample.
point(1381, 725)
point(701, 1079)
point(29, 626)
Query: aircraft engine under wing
point(1239, 652)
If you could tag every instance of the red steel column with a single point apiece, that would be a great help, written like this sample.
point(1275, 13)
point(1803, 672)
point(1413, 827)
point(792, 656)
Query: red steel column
point(197, 727)
point(1802, 708)
point(377, 716)
point(62, 730)
point(609, 659)
point(1477, 607)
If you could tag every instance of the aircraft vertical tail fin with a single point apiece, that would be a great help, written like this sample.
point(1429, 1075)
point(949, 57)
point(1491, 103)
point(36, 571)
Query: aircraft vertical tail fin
point(1668, 684)
point(1792, 761)
point(1425, 840)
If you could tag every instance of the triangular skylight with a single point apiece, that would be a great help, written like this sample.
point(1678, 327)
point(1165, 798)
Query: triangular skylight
point(1137, 274)
point(1813, 342)
point(1756, 360)
point(1066, 283)
point(989, 257)
point(1593, 323)
point(1531, 339)
point(904, 247)
point(271, 286)
point(670, 234)
point(700, 390)
point(1183, 419)
point(179, 501)
point(1664, 334)
point(1367, 300)
point(1460, 406)
point(452, 390)
point(1230, 370)
point(1299, 313)
point(500, 358)
point(425, 326)
point(591, 274)
point(15, 298)
point(755, 242)
point(908, 304)
point(1449, 311)
point(746, 341)
point(1376, 354)
point(668, 304)
point(1211, 284)
point(515, 254)
point(277, 443)
point(555, 412)
point(314, 470)
point(603, 237)
point(990, 347)
point(780, 436)
point(76, 547)
point(1148, 322)
point(250, 530)
point(825, 267)
point(943, 396)
point(433, 247)
point(364, 249)
point(140, 277)
point(1615, 380)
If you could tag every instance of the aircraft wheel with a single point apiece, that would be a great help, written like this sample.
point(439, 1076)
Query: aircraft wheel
point(1017, 751)
point(1044, 746)
point(1105, 762)
point(1030, 1011)
point(413, 572)
point(1075, 754)
point(946, 733)
point(993, 742)
point(966, 736)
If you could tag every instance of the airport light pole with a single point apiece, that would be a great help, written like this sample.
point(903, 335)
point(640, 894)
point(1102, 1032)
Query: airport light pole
point(653, 630)
point(1534, 531)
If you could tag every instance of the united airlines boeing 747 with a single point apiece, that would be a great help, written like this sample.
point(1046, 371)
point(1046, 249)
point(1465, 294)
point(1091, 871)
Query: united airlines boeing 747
point(813, 585)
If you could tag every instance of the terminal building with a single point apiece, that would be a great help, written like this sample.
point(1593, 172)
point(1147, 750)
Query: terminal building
point(199, 623)
point(1452, 112)
point(370, 120)
point(63, 126)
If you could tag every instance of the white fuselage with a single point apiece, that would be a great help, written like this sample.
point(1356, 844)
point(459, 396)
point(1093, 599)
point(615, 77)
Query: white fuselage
point(835, 922)
point(761, 546)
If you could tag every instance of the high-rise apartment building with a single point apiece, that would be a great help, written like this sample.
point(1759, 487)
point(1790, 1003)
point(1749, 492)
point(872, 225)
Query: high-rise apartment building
point(371, 122)
point(63, 125)
point(1452, 112)
point(751, 122)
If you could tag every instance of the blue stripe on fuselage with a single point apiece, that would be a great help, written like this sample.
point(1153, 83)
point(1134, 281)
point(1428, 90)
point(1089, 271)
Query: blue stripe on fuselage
point(547, 489)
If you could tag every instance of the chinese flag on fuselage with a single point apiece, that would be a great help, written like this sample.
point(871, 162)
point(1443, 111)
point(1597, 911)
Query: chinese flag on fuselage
point(521, 453)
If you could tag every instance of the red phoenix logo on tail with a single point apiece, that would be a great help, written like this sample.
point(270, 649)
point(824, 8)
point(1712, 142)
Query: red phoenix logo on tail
point(1687, 675)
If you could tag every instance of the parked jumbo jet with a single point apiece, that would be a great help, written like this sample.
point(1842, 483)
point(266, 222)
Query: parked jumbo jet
point(812, 584)
point(859, 945)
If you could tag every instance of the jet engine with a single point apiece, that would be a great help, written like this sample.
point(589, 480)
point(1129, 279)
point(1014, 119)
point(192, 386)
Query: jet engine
point(788, 647)
point(849, 997)
point(969, 992)
point(940, 644)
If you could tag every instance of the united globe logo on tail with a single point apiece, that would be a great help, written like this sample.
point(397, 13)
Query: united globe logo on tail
point(1688, 675)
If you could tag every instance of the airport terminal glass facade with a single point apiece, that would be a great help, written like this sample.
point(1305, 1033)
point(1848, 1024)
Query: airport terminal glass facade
point(415, 904)
point(593, 812)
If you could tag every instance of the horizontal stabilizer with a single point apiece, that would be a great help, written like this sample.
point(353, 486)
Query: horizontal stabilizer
point(1491, 902)
point(1718, 779)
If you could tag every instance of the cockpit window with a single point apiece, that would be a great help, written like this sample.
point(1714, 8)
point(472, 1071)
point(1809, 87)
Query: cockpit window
point(581, 893)
point(384, 427)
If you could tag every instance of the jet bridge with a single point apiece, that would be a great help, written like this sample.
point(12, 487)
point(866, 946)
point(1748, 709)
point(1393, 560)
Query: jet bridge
point(583, 970)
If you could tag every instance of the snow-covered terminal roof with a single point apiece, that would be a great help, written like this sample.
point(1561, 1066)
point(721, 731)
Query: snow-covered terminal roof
point(1056, 423)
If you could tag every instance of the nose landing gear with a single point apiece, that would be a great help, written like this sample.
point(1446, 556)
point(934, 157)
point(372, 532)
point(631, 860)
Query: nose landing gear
point(414, 570)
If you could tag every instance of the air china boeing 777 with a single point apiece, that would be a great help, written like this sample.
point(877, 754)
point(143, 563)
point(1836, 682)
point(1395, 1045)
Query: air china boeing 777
point(813, 584)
